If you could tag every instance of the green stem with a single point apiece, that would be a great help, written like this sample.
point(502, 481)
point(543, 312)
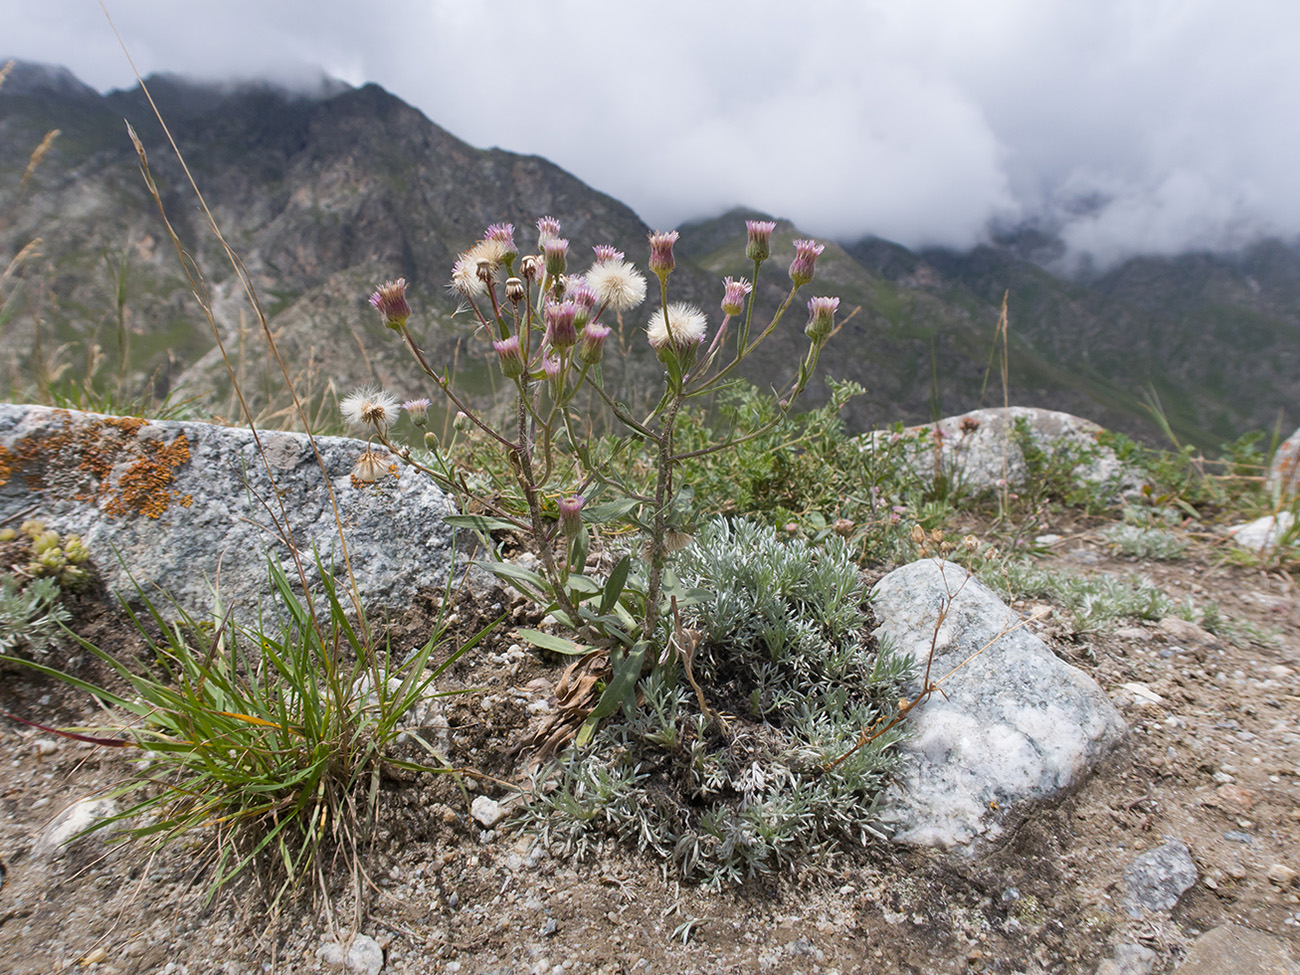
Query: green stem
point(663, 491)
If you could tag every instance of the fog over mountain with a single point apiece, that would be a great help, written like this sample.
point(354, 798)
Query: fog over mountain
point(1122, 128)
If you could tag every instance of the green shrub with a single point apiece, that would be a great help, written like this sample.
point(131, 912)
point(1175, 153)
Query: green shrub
point(1090, 603)
point(31, 617)
point(739, 784)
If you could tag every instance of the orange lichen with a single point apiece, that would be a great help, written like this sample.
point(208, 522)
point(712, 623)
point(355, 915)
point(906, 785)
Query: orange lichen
point(130, 425)
point(79, 462)
point(145, 486)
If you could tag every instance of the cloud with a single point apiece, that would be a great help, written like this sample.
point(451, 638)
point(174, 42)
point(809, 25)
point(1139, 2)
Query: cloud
point(1131, 127)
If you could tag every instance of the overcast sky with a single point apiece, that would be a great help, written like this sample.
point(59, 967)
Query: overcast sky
point(1137, 126)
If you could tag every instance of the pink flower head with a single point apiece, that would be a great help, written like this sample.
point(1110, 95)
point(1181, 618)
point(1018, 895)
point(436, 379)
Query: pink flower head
point(548, 228)
point(661, 253)
point(504, 235)
point(759, 246)
point(551, 366)
point(607, 252)
point(806, 253)
point(556, 250)
point(390, 299)
point(417, 410)
point(512, 359)
point(593, 341)
point(584, 299)
point(571, 514)
point(821, 318)
point(560, 329)
point(581, 294)
point(734, 292)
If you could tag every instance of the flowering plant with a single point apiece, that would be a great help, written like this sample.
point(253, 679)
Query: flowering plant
point(566, 491)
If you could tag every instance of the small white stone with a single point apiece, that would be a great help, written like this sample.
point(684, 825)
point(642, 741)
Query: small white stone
point(487, 811)
point(1142, 695)
point(77, 818)
point(363, 955)
point(1262, 533)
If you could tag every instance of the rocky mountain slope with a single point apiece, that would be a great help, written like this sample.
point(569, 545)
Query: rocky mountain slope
point(324, 194)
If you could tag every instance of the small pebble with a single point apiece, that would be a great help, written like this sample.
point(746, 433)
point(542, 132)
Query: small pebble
point(487, 811)
point(1280, 874)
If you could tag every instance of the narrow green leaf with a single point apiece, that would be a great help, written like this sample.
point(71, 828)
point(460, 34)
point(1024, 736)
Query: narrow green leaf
point(627, 671)
point(518, 574)
point(614, 585)
point(599, 514)
point(481, 523)
point(557, 644)
point(578, 550)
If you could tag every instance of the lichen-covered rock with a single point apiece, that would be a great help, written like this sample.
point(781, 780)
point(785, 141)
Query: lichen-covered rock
point(976, 451)
point(191, 508)
point(1013, 725)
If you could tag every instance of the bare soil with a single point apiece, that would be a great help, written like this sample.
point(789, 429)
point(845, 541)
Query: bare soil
point(1216, 764)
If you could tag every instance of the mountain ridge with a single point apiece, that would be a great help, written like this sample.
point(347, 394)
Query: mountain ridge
point(324, 195)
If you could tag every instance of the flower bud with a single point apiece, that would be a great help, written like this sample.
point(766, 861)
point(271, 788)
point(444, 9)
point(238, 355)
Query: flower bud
point(734, 292)
point(560, 329)
point(390, 299)
point(821, 319)
point(548, 228)
point(584, 299)
point(759, 246)
point(571, 514)
point(512, 359)
point(806, 253)
point(430, 440)
point(556, 250)
point(661, 253)
point(607, 252)
point(551, 366)
point(593, 342)
point(462, 423)
point(417, 410)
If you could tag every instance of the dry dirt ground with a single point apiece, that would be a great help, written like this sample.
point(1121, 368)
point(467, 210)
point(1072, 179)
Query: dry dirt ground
point(1216, 764)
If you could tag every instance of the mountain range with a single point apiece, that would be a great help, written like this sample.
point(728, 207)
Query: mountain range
point(324, 193)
